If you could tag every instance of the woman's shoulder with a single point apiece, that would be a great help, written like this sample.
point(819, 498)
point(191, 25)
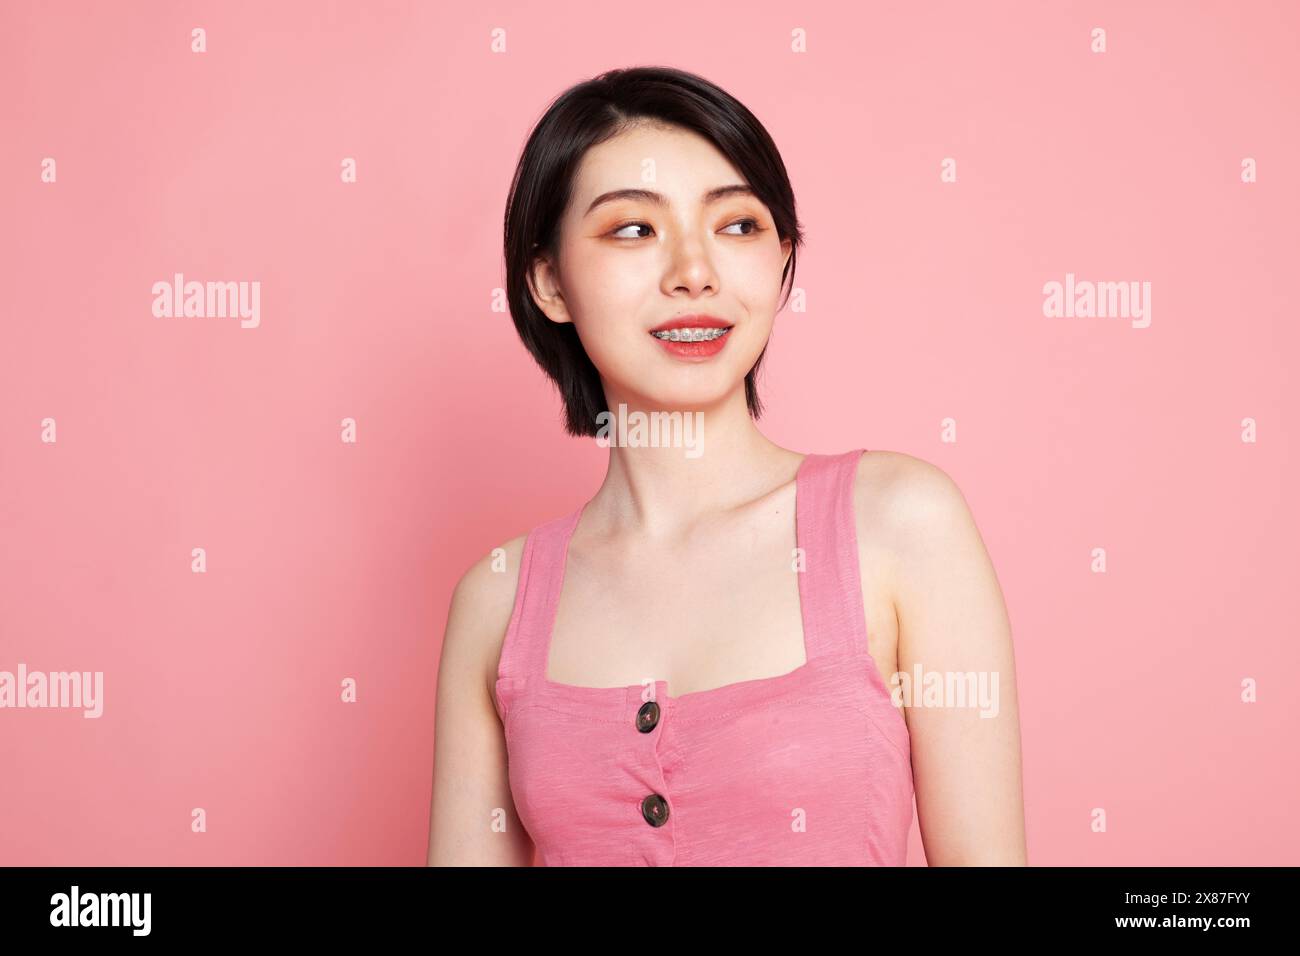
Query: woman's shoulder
point(481, 605)
point(487, 587)
point(906, 501)
point(902, 474)
point(484, 599)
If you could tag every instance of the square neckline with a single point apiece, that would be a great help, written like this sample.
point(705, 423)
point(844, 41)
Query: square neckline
point(723, 691)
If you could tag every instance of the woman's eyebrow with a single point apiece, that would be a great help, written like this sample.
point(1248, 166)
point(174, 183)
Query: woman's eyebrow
point(650, 196)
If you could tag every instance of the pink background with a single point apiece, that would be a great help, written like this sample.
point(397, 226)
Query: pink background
point(328, 560)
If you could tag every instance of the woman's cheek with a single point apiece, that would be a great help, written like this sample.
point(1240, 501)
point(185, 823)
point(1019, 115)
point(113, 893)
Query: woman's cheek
point(610, 346)
point(609, 296)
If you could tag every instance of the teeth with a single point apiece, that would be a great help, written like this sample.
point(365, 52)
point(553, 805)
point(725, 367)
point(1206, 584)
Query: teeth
point(690, 335)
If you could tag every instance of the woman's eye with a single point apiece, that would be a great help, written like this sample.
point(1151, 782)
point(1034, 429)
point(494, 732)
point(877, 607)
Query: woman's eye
point(630, 225)
point(745, 222)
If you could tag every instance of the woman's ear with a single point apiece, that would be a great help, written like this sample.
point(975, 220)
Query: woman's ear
point(544, 285)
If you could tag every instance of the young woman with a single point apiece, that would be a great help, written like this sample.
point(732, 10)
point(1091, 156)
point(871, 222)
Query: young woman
point(698, 666)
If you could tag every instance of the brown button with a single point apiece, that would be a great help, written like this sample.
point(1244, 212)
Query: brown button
point(647, 717)
point(655, 810)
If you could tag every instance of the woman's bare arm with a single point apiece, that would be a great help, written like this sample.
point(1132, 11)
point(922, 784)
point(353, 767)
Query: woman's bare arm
point(953, 623)
point(472, 821)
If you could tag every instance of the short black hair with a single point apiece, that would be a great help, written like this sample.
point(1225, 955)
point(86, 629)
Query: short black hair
point(584, 116)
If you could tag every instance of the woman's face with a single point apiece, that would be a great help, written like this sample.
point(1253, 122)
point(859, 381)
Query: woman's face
point(627, 264)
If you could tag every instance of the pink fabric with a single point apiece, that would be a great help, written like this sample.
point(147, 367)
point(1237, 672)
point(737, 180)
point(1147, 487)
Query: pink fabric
point(808, 768)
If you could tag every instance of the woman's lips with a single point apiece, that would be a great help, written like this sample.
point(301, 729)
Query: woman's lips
point(705, 348)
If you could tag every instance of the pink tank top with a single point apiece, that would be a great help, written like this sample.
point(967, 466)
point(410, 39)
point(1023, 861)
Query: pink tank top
point(809, 768)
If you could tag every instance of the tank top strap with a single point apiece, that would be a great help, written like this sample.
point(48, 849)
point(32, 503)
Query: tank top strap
point(830, 586)
point(526, 645)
